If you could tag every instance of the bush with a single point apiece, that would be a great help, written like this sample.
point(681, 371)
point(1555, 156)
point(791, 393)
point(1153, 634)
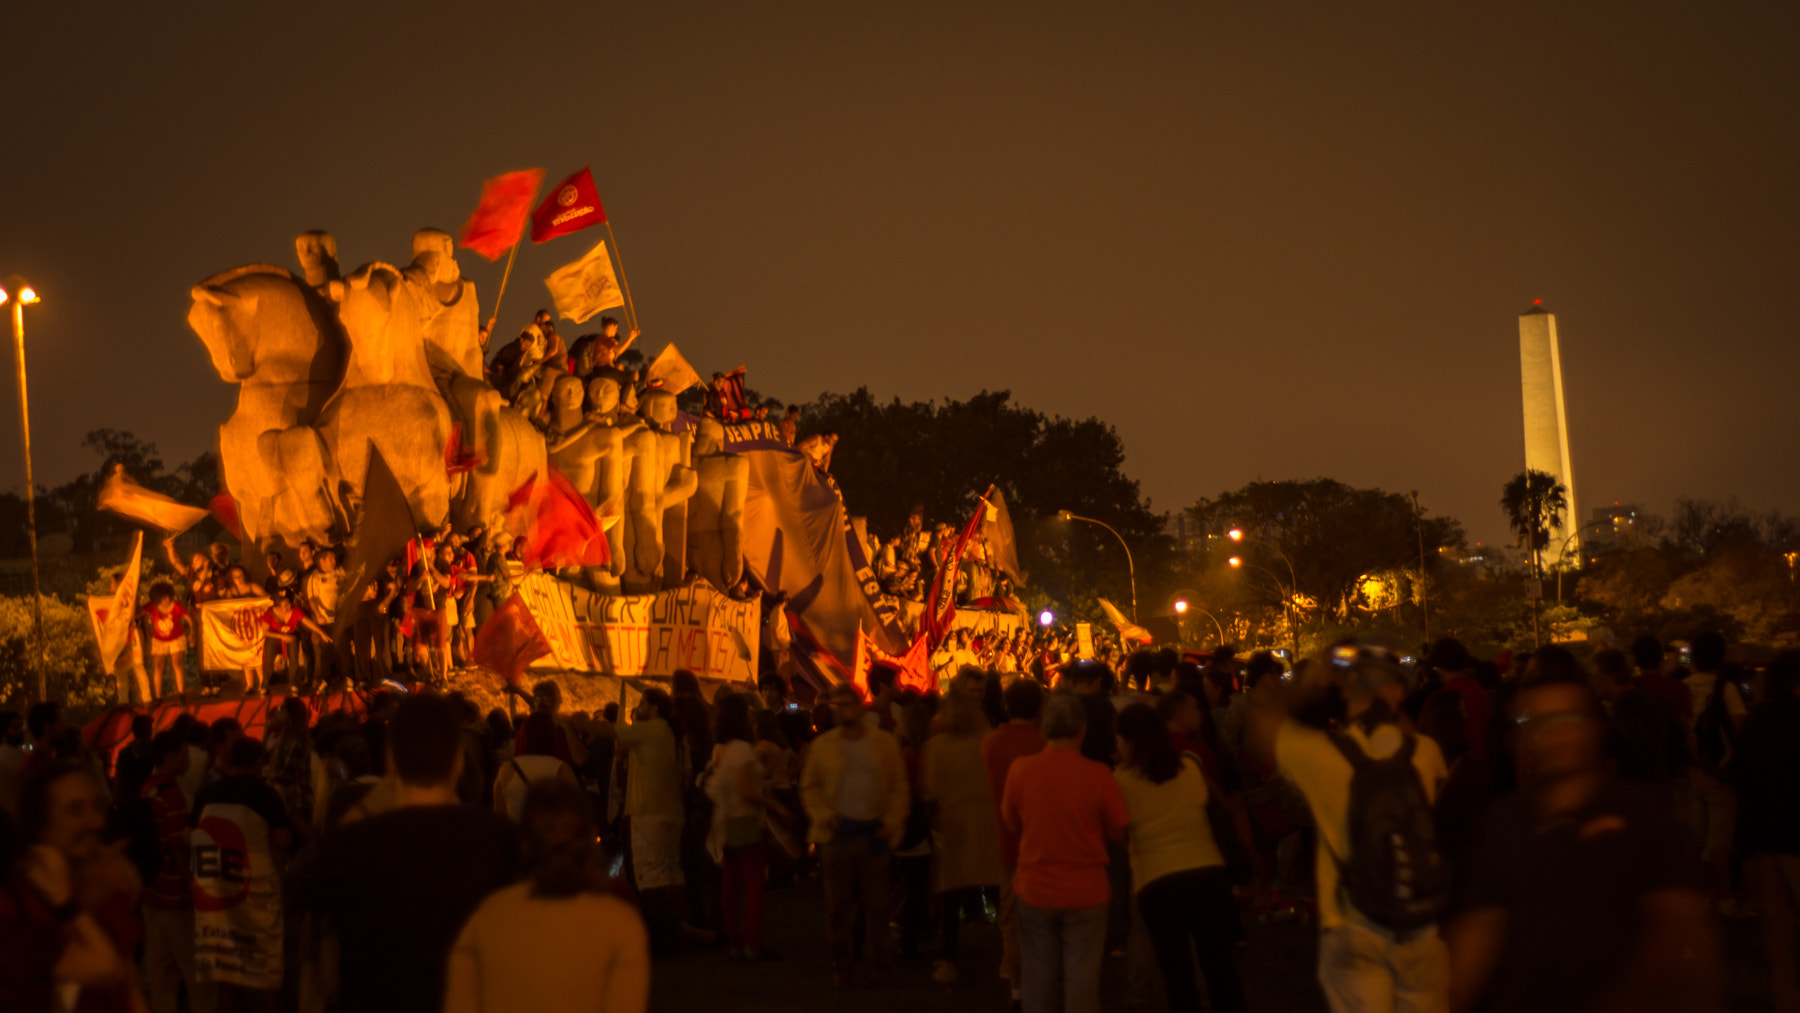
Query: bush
point(72, 659)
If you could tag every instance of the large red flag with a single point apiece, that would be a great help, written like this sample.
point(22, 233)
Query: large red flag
point(558, 525)
point(940, 604)
point(509, 640)
point(499, 220)
point(573, 205)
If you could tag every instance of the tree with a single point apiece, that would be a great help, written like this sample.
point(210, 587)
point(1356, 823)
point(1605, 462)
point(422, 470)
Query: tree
point(1534, 502)
point(942, 455)
point(1331, 534)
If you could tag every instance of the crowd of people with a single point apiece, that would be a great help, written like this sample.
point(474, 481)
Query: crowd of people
point(1535, 833)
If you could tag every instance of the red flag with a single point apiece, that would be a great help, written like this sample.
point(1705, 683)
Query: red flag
point(225, 510)
point(940, 604)
point(499, 220)
point(573, 205)
point(510, 640)
point(915, 671)
point(558, 525)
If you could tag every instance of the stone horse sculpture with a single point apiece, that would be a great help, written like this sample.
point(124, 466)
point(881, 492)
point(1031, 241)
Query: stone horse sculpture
point(387, 399)
point(274, 337)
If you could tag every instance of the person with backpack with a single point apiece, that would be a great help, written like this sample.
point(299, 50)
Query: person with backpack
point(1719, 711)
point(536, 761)
point(1585, 894)
point(1370, 788)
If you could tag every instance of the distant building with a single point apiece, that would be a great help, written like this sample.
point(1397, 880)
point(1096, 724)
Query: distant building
point(1607, 527)
point(1546, 427)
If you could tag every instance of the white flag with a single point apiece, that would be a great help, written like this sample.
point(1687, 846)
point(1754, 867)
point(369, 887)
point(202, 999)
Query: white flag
point(112, 617)
point(585, 287)
point(673, 370)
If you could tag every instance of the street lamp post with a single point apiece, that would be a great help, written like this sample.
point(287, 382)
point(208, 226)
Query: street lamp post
point(1238, 535)
point(21, 295)
point(1183, 606)
point(1287, 598)
point(1130, 567)
point(1562, 554)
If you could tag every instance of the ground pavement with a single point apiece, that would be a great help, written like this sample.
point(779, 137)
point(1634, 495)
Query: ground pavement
point(1277, 967)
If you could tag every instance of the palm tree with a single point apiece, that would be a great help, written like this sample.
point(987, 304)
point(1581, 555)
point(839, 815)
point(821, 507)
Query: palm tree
point(1534, 502)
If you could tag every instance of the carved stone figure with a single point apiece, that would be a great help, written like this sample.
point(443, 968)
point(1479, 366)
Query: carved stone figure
point(715, 514)
point(606, 410)
point(656, 500)
point(273, 335)
point(387, 399)
point(508, 448)
point(317, 252)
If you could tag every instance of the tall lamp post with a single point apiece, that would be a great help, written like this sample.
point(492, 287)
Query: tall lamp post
point(1238, 535)
point(1183, 607)
point(1130, 567)
point(1562, 554)
point(20, 294)
point(1287, 599)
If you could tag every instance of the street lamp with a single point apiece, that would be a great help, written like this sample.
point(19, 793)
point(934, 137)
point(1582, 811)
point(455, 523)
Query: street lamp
point(1183, 606)
point(1046, 618)
point(1130, 567)
point(20, 294)
point(1562, 553)
point(1287, 598)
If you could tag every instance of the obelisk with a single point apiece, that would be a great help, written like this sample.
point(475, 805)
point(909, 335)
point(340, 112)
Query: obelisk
point(1546, 427)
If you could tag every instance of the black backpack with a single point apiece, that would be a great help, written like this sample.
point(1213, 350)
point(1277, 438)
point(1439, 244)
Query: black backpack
point(1714, 736)
point(1393, 873)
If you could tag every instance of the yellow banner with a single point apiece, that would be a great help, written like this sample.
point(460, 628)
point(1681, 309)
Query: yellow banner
point(695, 627)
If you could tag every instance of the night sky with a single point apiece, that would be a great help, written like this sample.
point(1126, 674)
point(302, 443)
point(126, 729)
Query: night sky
point(1270, 240)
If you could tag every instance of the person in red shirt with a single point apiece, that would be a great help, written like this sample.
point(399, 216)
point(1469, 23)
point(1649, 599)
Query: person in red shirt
point(168, 624)
point(1065, 809)
point(1647, 655)
point(168, 898)
point(1005, 745)
point(1451, 660)
point(282, 621)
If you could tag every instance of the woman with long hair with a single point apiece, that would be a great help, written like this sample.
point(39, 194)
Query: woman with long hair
point(561, 941)
point(964, 817)
point(734, 781)
point(1178, 874)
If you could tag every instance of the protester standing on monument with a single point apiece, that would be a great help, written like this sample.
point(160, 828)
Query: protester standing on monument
point(324, 586)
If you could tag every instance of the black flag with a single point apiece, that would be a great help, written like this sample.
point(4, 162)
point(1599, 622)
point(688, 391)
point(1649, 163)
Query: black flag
point(382, 533)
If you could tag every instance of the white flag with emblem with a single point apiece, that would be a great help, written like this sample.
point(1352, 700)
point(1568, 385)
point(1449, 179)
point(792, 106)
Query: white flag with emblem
point(585, 287)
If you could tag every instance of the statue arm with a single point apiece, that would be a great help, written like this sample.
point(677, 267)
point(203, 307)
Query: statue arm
point(574, 435)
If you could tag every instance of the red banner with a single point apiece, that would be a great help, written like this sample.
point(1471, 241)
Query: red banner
point(573, 205)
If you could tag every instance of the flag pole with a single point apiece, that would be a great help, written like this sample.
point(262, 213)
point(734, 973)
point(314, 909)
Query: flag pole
point(502, 293)
point(625, 285)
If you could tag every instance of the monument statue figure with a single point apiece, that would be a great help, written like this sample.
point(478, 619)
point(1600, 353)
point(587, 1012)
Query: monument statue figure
point(715, 513)
point(656, 502)
point(388, 399)
point(276, 338)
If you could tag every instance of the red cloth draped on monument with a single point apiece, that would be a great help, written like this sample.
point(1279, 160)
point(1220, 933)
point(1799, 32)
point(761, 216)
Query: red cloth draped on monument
point(940, 604)
point(459, 460)
point(573, 205)
point(559, 527)
point(510, 640)
point(499, 220)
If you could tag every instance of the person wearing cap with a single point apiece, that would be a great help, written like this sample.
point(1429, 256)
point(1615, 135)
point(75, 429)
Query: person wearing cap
point(1363, 966)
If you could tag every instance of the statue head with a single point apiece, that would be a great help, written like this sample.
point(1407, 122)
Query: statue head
point(317, 251)
point(709, 437)
point(657, 407)
point(603, 392)
point(567, 394)
point(434, 252)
